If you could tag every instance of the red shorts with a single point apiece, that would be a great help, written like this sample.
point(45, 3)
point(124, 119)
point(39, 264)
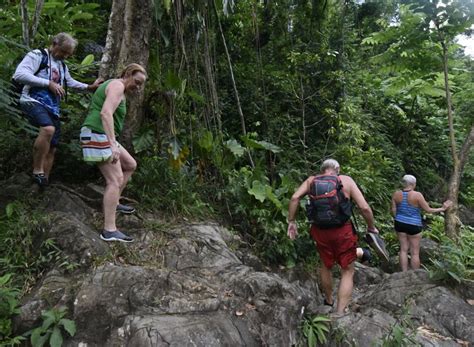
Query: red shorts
point(336, 245)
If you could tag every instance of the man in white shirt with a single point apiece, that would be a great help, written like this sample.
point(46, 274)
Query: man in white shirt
point(46, 76)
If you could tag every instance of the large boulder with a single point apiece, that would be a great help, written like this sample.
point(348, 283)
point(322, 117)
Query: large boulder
point(198, 284)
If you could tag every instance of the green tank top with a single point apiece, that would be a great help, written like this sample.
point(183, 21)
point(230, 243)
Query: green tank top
point(94, 121)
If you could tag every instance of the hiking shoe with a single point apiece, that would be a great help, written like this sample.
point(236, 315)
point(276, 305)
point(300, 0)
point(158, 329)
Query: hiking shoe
point(366, 256)
point(125, 209)
point(115, 236)
point(40, 179)
point(376, 242)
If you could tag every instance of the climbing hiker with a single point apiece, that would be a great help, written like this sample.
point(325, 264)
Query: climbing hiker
point(42, 77)
point(406, 206)
point(98, 137)
point(329, 212)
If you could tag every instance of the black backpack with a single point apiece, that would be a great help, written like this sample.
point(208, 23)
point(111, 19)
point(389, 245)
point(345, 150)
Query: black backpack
point(328, 207)
point(17, 87)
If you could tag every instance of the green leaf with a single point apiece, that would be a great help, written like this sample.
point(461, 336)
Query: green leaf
point(455, 276)
point(68, 325)
point(88, 60)
point(172, 81)
point(321, 319)
point(81, 16)
point(143, 140)
point(235, 147)
point(47, 323)
point(37, 339)
point(10, 209)
point(5, 279)
point(258, 190)
point(272, 197)
point(56, 339)
point(311, 339)
point(206, 141)
point(196, 97)
point(261, 145)
point(167, 5)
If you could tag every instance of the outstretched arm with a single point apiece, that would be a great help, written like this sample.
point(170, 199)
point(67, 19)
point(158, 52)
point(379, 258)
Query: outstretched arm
point(365, 210)
point(426, 207)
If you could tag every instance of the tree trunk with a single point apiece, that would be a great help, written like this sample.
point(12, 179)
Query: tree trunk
point(127, 42)
point(36, 18)
point(452, 222)
point(210, 76)
point(25, 23)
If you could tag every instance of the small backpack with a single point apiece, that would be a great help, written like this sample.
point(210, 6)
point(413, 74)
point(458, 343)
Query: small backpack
point(17, 87)
point(328, 207)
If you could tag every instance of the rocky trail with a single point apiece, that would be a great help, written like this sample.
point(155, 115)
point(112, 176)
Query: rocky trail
point(198, 284)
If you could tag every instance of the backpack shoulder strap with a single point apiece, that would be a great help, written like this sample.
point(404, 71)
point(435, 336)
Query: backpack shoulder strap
point(44, 60)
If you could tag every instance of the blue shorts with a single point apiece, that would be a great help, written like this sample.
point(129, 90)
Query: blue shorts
point(39, 116)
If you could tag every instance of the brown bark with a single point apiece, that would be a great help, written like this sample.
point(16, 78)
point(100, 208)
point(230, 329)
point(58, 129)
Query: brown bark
point(210, 78)
point(25, 22)
point(127, 42)
point(451, 221)
point(36, 18)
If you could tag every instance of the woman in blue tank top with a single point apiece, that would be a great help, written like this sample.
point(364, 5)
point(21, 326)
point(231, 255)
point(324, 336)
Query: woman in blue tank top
point(406, 208)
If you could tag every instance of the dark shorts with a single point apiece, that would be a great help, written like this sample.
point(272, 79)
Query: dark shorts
point(337, 245)
point(409, 229)
point(39, 116)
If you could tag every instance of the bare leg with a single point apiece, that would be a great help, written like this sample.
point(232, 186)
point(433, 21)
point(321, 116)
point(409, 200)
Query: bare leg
point(344, 293)
point(48, 163)
point(326, 283)
point(128, 167)
point(414, 241)
point(113, 179)
point(41, 148)
point(404, 246)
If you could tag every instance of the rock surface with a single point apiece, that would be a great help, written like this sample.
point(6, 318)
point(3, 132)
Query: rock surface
point(198, 285)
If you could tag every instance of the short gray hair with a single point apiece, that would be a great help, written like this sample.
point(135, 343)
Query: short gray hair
point(330, 164)
point(64, 40)
point(408, 180)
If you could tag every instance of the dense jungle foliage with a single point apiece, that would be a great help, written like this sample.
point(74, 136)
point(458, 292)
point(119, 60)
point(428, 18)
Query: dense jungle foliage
point(246, 98)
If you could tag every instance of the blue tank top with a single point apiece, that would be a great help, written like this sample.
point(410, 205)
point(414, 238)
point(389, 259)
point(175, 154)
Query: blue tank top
point(407, 213)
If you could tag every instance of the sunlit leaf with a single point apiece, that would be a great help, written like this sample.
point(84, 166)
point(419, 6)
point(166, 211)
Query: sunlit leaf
point(235, 147)
point(89, 59)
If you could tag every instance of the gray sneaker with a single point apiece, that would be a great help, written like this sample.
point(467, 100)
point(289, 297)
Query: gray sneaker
point(125, 209)
point(115, 236)
point(376, 242)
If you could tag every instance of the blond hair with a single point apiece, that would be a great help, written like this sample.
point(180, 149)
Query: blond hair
point(132, 69)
